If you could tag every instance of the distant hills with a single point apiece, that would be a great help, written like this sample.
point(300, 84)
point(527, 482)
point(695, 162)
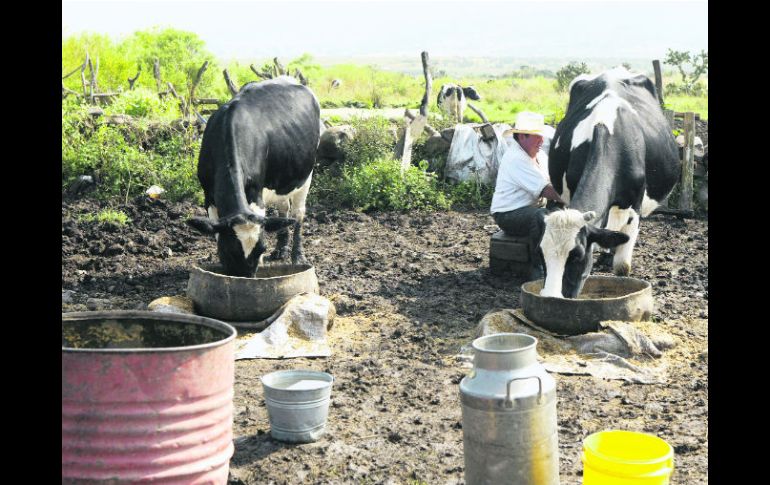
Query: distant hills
point(484, 66)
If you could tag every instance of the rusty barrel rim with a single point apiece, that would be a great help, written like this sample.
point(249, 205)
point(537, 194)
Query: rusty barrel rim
point(229, 331)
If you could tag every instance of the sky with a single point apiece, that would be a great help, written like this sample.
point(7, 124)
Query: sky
point(550, 29)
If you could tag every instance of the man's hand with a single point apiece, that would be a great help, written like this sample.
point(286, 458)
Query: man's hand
point(552, 205)
point(550, 193)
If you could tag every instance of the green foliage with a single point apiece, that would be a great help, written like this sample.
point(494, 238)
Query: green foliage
point(145, 103)
point(107, 215)
point(127, 159)
point(471, 194)
point(566, 74)
point(180, 53)
point(379, 185)
point(374, 140)
point(699, 63)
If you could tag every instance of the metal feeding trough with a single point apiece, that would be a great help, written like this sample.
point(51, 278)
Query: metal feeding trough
point(239, 299)
point(603, 298)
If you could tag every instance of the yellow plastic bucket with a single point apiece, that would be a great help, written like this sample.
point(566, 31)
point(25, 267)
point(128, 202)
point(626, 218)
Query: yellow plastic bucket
point(626, 458)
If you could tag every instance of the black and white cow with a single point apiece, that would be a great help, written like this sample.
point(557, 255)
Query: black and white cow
point(452, 99)
point(258, 150)
point(613, 159)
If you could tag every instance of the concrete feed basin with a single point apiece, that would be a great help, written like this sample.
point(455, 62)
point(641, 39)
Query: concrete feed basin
point(603, 298)
point(238, 299)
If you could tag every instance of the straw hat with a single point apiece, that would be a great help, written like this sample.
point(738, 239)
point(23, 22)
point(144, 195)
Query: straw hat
point(528, 123)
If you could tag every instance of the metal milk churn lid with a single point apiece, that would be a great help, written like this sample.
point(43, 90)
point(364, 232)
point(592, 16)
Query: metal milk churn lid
point(509, 414)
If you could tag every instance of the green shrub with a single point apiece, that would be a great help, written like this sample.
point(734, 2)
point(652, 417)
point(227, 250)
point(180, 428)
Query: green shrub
point(106, 215)
point(374, 140)
point(127, 159)
point(379, 185)
point(470, 194)
point(145, 103)
point(566, 74)
point(180, 53)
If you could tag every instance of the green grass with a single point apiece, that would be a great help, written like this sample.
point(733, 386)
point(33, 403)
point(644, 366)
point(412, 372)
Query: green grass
point(106, 215)
point(684, 104)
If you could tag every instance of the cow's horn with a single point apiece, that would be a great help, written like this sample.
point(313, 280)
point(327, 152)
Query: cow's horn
point(589, 216)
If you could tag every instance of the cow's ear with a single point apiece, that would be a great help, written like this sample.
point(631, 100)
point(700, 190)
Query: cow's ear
point(202, 224)
point(272, 224)
point(605, 238)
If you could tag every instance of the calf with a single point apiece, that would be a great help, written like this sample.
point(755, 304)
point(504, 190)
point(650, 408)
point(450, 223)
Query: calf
point(613, 159)
point(258, 150)
point(451, 99)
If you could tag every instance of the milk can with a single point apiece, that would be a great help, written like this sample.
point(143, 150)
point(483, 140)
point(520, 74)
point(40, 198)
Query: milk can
point(509, 414)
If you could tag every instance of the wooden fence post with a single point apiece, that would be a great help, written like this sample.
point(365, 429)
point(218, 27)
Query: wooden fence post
point(156, 73)
point(658, 80)
point(685, 198)
point(131, 81)
point(414, 125)
point(83, 75)
point(229, 82)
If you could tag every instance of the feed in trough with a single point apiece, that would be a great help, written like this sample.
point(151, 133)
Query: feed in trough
point(240, 299)
point(603, 298)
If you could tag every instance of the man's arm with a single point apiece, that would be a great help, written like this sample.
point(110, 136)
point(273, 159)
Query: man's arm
point(550, 193)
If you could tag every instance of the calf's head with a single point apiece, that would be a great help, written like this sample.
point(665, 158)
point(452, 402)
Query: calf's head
point(567, 246)
point(239, 239)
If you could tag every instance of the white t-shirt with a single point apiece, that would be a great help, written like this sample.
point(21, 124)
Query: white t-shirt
point(520, 180)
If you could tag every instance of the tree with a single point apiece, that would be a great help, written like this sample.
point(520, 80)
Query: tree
point(566, 74)
point(699, 62)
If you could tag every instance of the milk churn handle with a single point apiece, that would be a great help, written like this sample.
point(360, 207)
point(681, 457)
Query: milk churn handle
point(509, 401)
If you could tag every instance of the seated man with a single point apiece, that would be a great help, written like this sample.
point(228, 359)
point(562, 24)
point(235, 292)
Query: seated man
point(523, 185)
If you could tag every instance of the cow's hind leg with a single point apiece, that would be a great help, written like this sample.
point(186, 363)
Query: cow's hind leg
point(627, 222)
point(297, 211)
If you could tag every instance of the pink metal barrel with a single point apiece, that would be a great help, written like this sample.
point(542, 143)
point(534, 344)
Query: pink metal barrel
point(146, 398)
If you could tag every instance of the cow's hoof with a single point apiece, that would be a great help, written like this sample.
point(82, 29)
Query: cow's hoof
point(299, 260)
point(279, 255)
point(622, 269)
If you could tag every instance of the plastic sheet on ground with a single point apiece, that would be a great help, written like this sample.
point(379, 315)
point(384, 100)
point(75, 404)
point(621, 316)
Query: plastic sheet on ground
point(299, 331)
point(618, 351)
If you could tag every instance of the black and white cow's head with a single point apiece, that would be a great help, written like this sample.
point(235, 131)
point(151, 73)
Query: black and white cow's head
point(567, 245)
point(239, 239)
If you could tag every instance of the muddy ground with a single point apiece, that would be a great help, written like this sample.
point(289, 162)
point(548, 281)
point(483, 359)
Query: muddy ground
point(409, 291)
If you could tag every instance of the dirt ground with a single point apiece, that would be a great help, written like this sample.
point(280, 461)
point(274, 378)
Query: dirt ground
point(409, 291)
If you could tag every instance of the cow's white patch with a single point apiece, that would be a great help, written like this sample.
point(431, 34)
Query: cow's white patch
point(561, 228)
point(451, 105)
point(291, 204)
point(621, 262)
point(214, 216)
point(648, 205)
point(558, 139)
point(604, 109)
point(565, 195)
point(617, 218)
point(616, 74)
point(248, 235)
point(260, 211)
